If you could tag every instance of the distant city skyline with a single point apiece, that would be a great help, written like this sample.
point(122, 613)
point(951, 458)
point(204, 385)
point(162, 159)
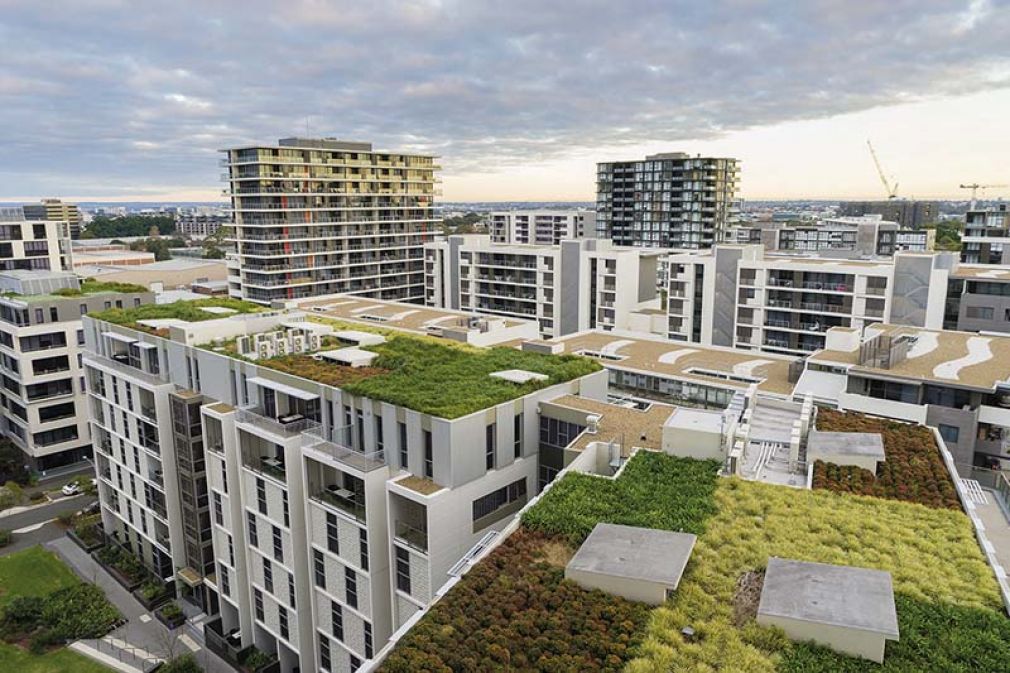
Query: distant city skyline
point(105, 101)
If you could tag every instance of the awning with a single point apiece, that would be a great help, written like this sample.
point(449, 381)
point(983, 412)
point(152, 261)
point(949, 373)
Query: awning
point(119, 337)
point(145, 345)
point(282, 388)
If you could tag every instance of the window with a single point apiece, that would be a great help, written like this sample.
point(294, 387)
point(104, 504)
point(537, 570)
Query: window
point(80, 337)
point(980, 312)
point(222, 575)
point(351, 587)
point(337, 619)
point(319, 568)
point(287, 512)
point(403, 570)
point(517, 435)
point(494, 501)
point(224, 478)
point(489, 446)
point(949, 433)
point(429, 462)
point(268, 575)
point(332, 533)
point(378, 434)
point(291, 591)
point(278, 545)
point(402, 427)
point(282, 617)
point(261, 495)
point(324, 655)
point(54, 315)
point(84, 309)
point(368, 640)
point(258, 600)
point(363, 544)
point(218, 512)
point(355, 662)
point(231, 552)
point(253, 532)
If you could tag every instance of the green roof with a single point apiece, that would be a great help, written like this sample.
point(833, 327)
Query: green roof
point(88, 288)
point(187, 310)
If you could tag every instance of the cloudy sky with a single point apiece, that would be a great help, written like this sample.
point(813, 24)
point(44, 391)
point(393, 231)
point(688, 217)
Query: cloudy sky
point(130, 99)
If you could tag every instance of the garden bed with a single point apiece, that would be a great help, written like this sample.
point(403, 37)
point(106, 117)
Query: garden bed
point(124, 567)
point(86, 533)
point(913, 470)
point(170, 614)
point(153, 593)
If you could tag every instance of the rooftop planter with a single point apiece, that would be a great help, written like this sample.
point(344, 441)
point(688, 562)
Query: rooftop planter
point(87, 533)
point(153, 593)
point(124, 567)
point(189, 311)
point(170, 614)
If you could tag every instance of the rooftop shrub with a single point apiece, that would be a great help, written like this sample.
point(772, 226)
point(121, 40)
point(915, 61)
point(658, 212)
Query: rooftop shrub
point(530, 619)
point(913, 470)
point(450, 381)
point(654, 490)
point(92, 286)
point(931, 554)
point(187, 310)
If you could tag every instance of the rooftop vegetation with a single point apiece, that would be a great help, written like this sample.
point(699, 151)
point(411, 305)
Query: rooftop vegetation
point(931, 553)
point(913, 470)
point(92, 286)
point(189, 311)
point(653, 491)
point(453, 380)
point(530, 619)
point(949, 608)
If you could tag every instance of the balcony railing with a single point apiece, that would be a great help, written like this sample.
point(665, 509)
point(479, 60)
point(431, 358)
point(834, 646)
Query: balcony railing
point(315, 438)
point(348, 504)
point(253, 416)
point(412, 536)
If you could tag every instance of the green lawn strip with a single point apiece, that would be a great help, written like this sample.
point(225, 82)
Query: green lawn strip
point(654, 491)
point(16, 660)
point(33, 572)
point(936, 637)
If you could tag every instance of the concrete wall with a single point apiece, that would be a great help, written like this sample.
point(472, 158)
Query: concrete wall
point(853, 642)
point(632, 589)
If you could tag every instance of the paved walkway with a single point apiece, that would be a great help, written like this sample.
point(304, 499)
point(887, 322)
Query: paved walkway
point(997, 528)
point(143, 636)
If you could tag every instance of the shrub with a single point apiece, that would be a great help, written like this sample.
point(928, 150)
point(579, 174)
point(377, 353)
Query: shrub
point(80, 611)
point(5, 537)
point(254, 659)
point(124, 562)
point(42, 640)
point(913, 469)
point(529, 618)
point(151, 589)
point(654, 490)
point(170, 610)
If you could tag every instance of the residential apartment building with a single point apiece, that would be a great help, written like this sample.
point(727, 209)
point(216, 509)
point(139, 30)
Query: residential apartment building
point(541, 227)
point(866, 236)
point(41, 340)
point(668, 200)
point(740, 297)
point(577, 285)
point(307, 520)
point(38, 244)
point(200, 225)
point(321, 216)
point(55, 210)
point(908, 214)
point(986, 234)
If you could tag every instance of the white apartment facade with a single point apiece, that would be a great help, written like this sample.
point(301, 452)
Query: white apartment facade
point(33, 244)
point(541, 227)
point(577, 285)
point(325, 520)
point(41, 342)
point(737, 296)
point(320, 216)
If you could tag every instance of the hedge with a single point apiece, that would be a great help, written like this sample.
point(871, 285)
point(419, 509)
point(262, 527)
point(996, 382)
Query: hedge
point(654, 491)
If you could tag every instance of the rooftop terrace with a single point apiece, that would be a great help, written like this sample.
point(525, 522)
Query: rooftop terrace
point(949, 612)
point(705, 364)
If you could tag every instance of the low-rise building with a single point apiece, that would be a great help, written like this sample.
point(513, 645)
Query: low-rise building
point(541, 227)
point(338, 462)
point(55, 210)
point(41, 341)
point(566, 288)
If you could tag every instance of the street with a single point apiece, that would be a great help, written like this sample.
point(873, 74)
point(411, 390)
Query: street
point(39, 524)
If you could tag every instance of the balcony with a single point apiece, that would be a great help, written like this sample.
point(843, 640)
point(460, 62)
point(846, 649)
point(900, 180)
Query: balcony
point(344, 500)
point(284, 426)
point(228, 646)
point(411, 536)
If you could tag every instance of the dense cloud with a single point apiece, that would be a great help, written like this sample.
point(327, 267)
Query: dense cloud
point(118, 96)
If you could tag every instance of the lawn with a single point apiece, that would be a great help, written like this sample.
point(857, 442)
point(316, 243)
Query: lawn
point(17, 660)
point(33, 572)
point(913, 469)
point(934, 560)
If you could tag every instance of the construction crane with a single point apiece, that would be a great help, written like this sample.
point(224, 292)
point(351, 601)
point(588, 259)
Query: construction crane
point(892, 192)
point(974, 187)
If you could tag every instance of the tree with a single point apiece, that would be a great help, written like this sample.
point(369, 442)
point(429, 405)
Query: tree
point(948, 235)
point(213, 252)
point(130, 225)
point(12, 463)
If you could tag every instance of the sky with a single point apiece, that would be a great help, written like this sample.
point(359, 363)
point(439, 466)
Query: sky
point(132, 99)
